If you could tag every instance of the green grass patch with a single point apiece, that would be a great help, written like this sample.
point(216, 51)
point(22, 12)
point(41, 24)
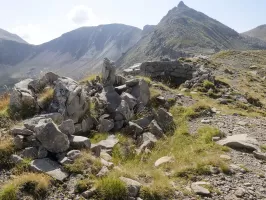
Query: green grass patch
point(111, 189)
point(85, 163)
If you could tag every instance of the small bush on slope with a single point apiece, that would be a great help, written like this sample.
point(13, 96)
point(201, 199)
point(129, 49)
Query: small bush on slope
point(35, 184)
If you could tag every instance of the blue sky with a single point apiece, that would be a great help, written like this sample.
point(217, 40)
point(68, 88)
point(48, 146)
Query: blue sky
point(40, 21)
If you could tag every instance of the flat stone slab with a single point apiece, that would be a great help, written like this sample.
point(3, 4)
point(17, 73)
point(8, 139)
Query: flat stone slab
point(49, 167)
point(109, 143)
point(240, 141)
point(163, 160)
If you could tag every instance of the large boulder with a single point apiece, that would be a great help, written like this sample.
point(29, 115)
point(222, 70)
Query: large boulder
point(22, 99)
point(132, 101)
point(67, 127)
point(69, 99)
point(48, 79)
point(164, 119)
point(32, 122)
point(80, 142)
point(240, 141)
point(109, 99)
point(108, 73)
point(141, 92)
point(51, 137)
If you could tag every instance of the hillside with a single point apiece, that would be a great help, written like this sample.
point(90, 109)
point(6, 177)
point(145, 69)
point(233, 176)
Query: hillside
point(258, 32)
point(139, 138)
point(74, 54)
point(186, 31)
point(5, 35)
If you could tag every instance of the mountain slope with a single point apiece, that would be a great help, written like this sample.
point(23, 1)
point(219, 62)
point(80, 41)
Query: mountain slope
point(4, 35)
point(186, 31)
point(258, 32)
point(74, 54)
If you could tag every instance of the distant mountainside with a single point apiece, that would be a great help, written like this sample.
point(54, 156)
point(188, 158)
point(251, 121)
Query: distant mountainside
point(258, 32)
point(4, 35)
point(186, 31)
point(74, 54)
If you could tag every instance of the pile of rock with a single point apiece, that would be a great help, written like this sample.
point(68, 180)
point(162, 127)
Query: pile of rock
point(53, 136)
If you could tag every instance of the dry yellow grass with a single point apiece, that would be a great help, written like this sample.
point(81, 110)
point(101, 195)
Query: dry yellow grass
point(4, 102)
point(6, 149)
point(39, 185)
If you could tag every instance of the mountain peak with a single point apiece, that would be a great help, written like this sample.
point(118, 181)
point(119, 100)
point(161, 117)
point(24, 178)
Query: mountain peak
point(181, 5)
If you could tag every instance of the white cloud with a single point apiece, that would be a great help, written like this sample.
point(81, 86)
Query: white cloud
point(84, 16)
point(32, 33)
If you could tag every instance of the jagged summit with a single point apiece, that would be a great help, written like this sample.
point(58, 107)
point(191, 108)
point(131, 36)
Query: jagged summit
point(181, 5)
point(185, 31)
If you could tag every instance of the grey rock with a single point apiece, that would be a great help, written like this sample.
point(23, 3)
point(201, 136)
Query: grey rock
point(49, 167)
point(103, 172)
point(96, 150)
point(67, 127)
point(21, 131)
point(110, 99)
point(240, 141)
point(124, 109)
point(32, 122)
point(42, 152)
point(133, 187)
point(132, 82)
point(18, 141)
point(73, 154)
point(22, 98)
point(198, 188)
point(16, 159)
point(240, 192)
point(141, 92)
point(106, 163)
point(87, 124)
point(69, 99)
point(132, 101)
point(109, 143)
point(106, 125)
point(56, 117)
point(155, 129)
point(144, 122)
point(65, 161)
point(148, 141)
point(80, 142)
point(164, 119)
point(78, 128)
point(108, 73)
point(120, 89)
point(89, 193)
point(118, 125)
point(120, 80)
point(30, 152)
point(51, 137)
point(259, 155)
point(134, 129)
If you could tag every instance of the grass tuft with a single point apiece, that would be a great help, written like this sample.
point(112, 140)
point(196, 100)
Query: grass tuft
point(111, 189)
point(85, 163)
point(35, 184)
